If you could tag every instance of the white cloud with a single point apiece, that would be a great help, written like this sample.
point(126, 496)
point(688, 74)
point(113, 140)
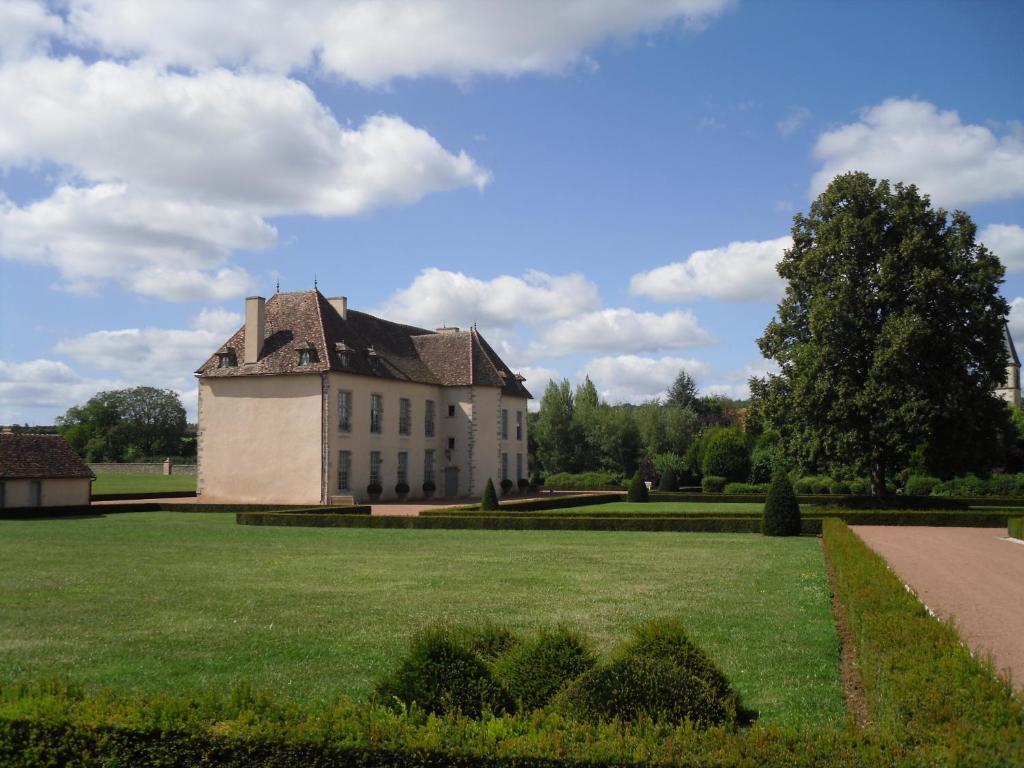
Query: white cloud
point(154, 356)
point(374, 42)
point(1007, 242)
point(1016, 318)
point(34, 391)
point(25, 29)
point(163, 248)
point(914, 142)
point(617, 329)
point(739, 271)
point(633, 379)
point(438, 296)
point(792, 122)
point(258, 143)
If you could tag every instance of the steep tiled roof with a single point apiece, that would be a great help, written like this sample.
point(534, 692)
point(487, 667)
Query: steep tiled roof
point(39, 457)
point(374, 347)
point(1011, 351)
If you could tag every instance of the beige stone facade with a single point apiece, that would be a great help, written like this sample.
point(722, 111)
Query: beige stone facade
point(38, 470)
point(46, 492)
point(352, 400)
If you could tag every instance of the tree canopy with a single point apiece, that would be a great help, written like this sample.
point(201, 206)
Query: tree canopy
point(126, 424)
point(889, 336)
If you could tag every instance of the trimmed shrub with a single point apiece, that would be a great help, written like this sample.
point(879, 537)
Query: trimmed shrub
point(488, 640)
point(820, 486)
point(781, 516)
point(661, 675)
point(374, 489)
point(839, 488)
point(401, 488)
point(429, 486)
point(668, 480)
point(712, 484)
point(506, 486)
point(534, 671)
point(920, 485)
point(1015, 527)
point(522, 483)
point(637, 490)
point(746, 487)
point(859, 487)
point(440, 674)
point(725, 454)
point(804, 485)
point(582, 481)
point(489, 502)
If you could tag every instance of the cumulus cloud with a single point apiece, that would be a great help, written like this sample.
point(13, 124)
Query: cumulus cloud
point(34, 391)
point(26, 28)
point(633, 379)
point(1016, 318)
point(616, 329)
point(438, 296)
point(739, 271)
point(374, 42)
point(1007, 242)
point(792, 122)
point(915, 142)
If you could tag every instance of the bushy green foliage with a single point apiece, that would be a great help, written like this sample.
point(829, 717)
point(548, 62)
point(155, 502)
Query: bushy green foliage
point(713, 484)
point(839, 488)
point(661, 675)
point(582, 481)
point(859, 487)
point(668, 481)
point(755, 488)
point(489, 501)
point(638, 493)
point(533, 671)
point(488, 640)
point(440, 674)
point(766, 457)
point(972, 485)
point(781, 515)
point(1015, 527)
point(812, 485)
point(920, 485)
point(506, 486)
point(726, 454)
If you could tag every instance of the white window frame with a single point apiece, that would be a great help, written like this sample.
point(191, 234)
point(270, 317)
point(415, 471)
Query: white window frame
point(344, 470)
point(402, 472)
point(376, 466)
point(429, 419)
point(405, 416)
point(344, 411)
point(376, 414)
point(429, 460)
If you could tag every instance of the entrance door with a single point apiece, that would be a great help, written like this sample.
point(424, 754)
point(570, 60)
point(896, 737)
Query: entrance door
point(451, 482)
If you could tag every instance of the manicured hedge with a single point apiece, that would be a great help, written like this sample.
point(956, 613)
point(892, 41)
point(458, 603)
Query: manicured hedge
point(1015, 526)
point(923, 686)
point(84, 510)
point(150, 495)
point(583, 481)
point(749, 488)
point(533, 505)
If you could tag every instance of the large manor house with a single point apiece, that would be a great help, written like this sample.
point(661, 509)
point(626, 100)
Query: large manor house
point(311, 402)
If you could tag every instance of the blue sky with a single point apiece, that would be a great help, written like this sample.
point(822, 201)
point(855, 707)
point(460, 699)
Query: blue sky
point(602, 186)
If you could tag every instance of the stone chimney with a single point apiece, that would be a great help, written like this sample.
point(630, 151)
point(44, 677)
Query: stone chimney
point(340, 304)
point(448, 329)
point(255, 327)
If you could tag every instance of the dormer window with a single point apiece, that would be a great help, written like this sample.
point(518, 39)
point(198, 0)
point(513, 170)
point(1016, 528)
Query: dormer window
point(307, 354)
point(344, 352)
point(227, 359)
point(373, 358)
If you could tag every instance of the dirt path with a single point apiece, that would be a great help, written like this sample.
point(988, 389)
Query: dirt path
point(971, 574)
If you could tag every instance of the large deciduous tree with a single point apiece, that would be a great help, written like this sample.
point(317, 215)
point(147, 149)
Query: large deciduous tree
point(126, 424)
point(889, 336)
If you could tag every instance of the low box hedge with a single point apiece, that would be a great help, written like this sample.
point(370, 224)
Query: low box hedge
point(533, 505)
point(1015, 526)
point(85, 510)
point(147, 495)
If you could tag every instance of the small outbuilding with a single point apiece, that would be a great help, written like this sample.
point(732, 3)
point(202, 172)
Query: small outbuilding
point(41, 471)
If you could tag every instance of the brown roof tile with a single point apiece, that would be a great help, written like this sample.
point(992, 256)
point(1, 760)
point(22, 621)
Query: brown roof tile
point(39, 457)
point(374, 347)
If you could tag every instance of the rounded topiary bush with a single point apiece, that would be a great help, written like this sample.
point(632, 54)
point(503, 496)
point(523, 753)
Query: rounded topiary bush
point(668, 481)
point(820, 486)
point(859, 487)
point(725, 453)
point(713, 484)
point(781, 516)
point(920, 485)
point(534, 671)
point(490, 498)
point(637, 490)
point(839, 488)
point(439, 674)
point(661, 674)
point(488, 640)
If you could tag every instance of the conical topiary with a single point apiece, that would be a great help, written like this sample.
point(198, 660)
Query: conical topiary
point(668, 480)
point(637, 490)
point(781, 515)
point(490, 499)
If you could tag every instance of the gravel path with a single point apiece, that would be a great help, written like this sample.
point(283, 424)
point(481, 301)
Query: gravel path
point(974, 575)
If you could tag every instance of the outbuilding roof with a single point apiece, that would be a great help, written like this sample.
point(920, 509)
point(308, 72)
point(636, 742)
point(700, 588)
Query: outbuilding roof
point(39, 457)
point(363, 344)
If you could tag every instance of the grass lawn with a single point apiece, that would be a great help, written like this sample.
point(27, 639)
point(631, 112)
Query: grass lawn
point(112, 482)
point(168, 600)
point(712, 508)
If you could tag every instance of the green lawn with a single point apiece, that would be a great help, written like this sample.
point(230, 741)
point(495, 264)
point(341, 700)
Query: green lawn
point(112, 482)
point(712, 508)
point(168, 600)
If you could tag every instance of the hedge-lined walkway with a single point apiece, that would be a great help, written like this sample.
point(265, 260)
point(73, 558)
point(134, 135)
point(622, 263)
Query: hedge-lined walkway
point(972, 575)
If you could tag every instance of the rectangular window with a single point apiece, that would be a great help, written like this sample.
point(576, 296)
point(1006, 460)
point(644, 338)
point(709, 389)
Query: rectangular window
point(451, 411)
point(344, 411)
point(519, 425)
point(504, 466)
point(504, 424)
point(344, 470)
point(376, 414)
point(3, 495)
point(375, 467)
point(451, 443)
point(428, 419)
point(405, 416)
point(519, 467)
point(403, 467)
point(35, 493)
point(428, 465)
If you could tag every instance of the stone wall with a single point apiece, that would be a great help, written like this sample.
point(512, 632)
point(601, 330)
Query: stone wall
point(142, 468)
